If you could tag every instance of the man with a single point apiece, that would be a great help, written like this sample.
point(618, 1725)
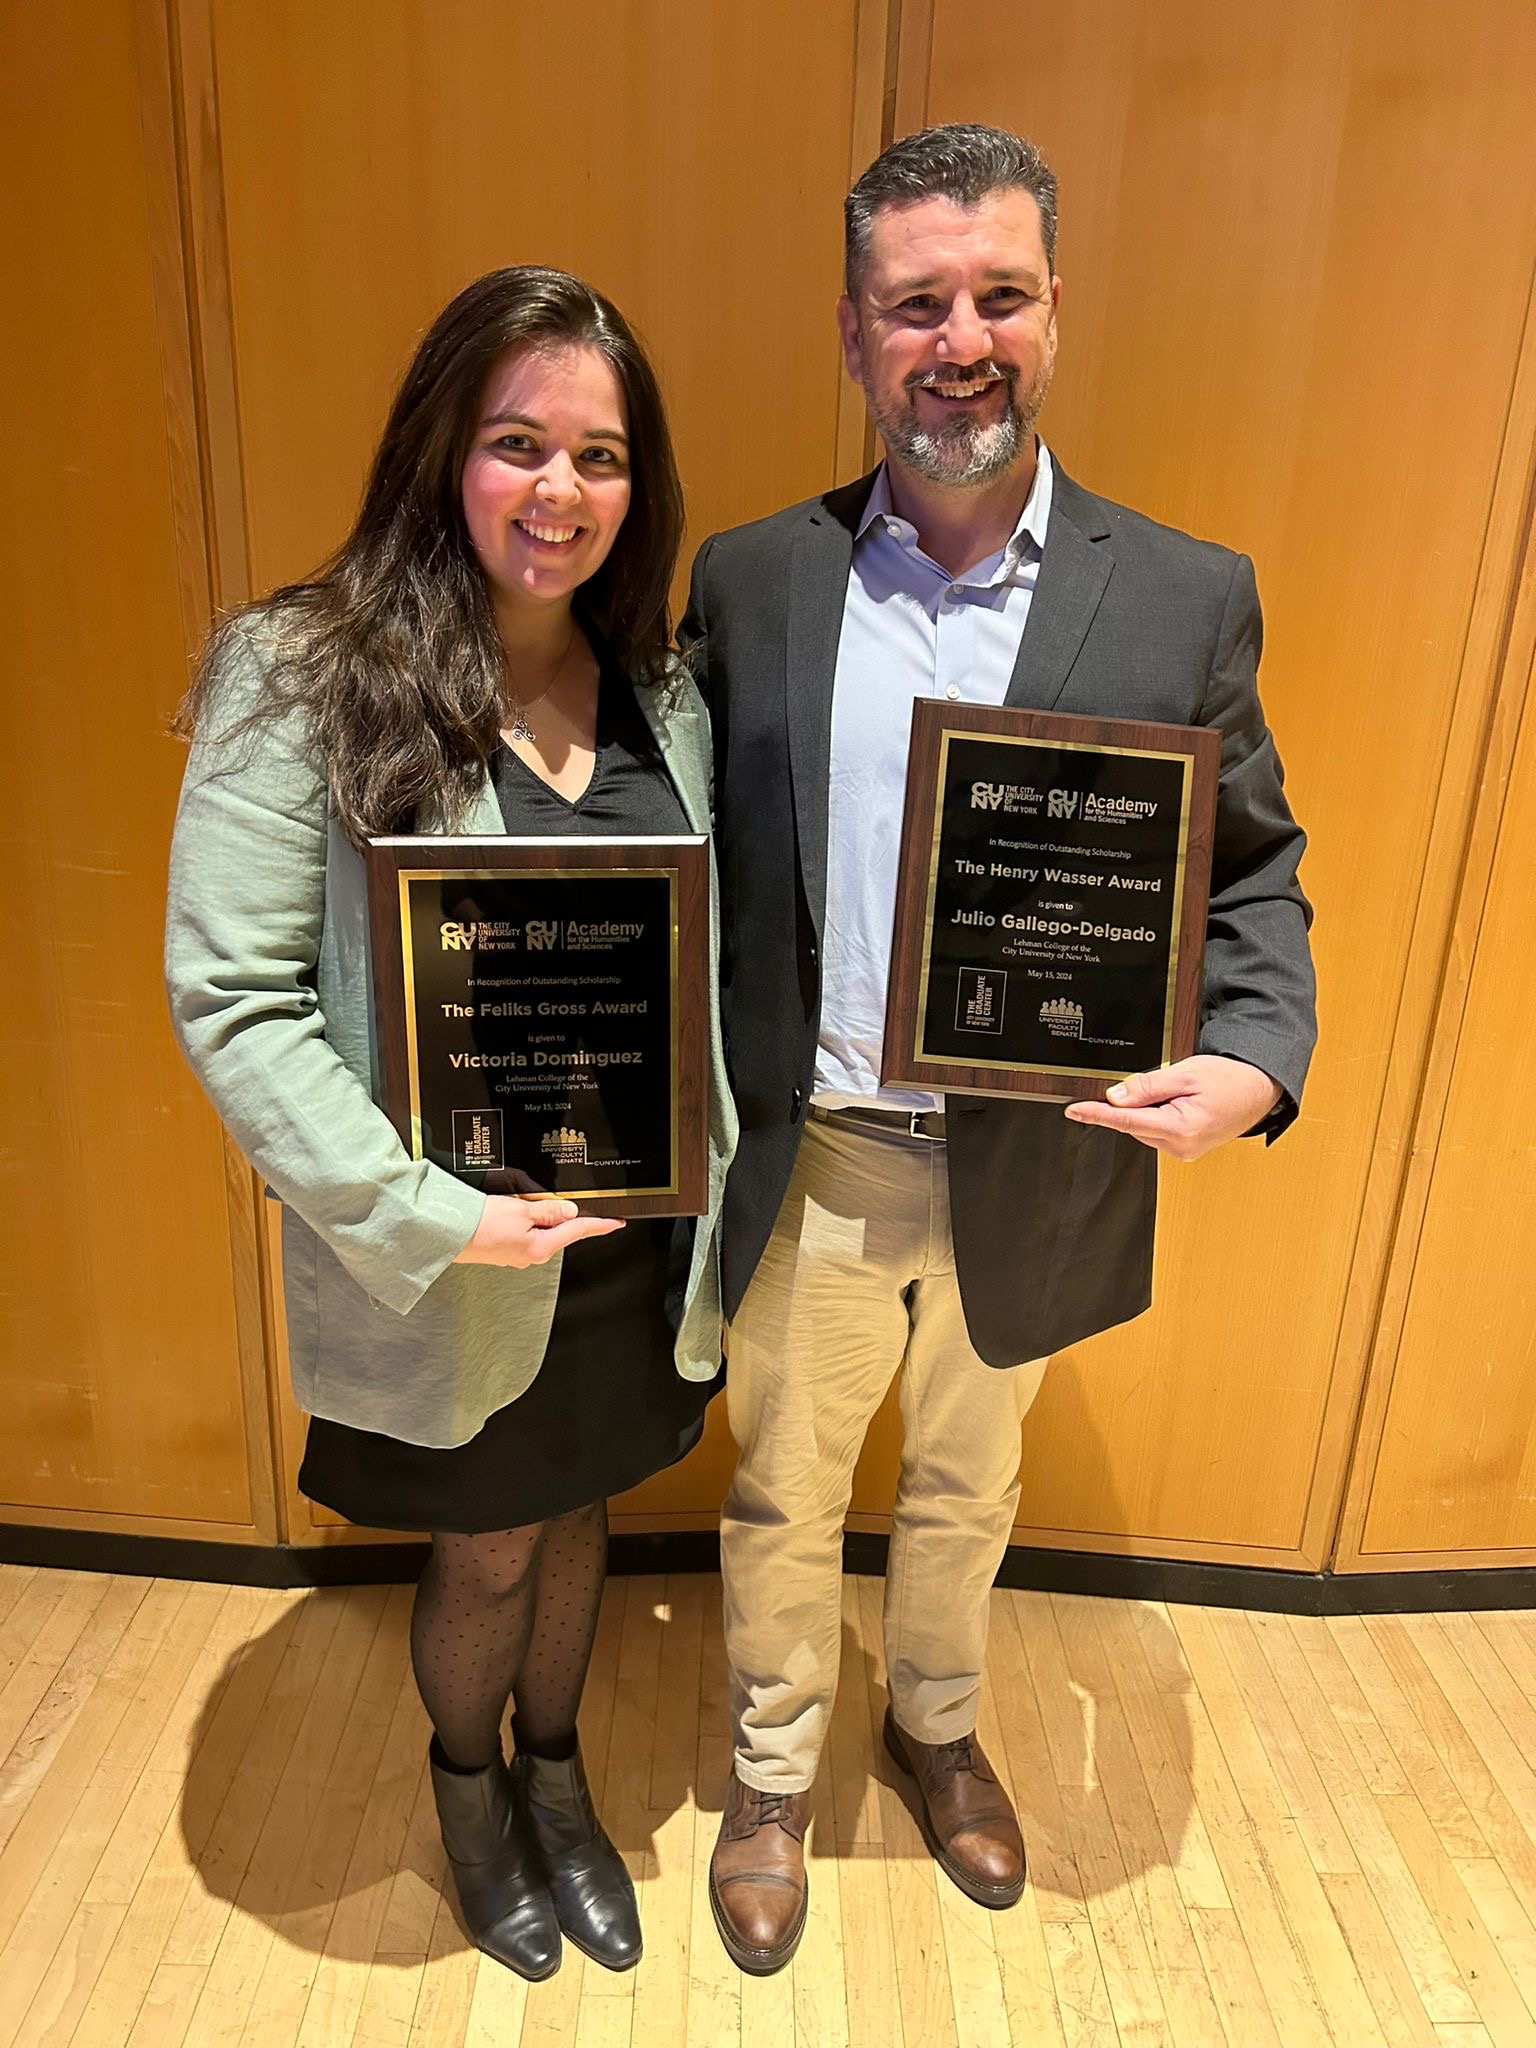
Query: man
point(869, 1230)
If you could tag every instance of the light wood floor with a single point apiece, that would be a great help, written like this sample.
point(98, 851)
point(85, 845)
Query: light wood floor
point(1246, 1830)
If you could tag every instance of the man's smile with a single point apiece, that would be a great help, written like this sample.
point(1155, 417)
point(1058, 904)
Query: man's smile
point(962, 392)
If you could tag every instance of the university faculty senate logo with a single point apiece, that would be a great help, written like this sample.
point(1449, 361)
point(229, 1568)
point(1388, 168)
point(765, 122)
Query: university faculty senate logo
point(1062, 1019)
point(566, 1147)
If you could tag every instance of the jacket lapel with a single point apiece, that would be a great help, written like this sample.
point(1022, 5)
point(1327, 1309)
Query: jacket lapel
point(675, 715)
point(485, 820)
point(818, 591)
point(1074, 571)
point(482, 821)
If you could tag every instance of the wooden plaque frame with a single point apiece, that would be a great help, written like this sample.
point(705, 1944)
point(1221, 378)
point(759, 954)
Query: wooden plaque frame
point(934, 724)
point(394, 863)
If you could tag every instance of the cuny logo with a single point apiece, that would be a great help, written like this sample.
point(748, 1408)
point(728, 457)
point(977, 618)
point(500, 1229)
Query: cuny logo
point(1062, 803)
point(463, 935)
point(1004, 796)
point(542, 933)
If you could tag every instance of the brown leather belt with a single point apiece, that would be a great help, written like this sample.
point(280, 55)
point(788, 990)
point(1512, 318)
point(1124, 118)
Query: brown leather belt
point(910, 1123)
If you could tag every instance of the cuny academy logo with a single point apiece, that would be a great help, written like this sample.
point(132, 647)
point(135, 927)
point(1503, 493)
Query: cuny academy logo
point(541, 934)
point(1021, 798)
point(1117, 810)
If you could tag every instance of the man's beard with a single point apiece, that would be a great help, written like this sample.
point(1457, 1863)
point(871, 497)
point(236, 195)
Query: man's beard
point(965, 451)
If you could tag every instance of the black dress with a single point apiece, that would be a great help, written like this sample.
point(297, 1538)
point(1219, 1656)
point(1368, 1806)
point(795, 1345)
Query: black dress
point(608, 1406)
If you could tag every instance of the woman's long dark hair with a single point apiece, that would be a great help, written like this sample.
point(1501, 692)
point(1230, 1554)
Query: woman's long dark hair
point(391, 646)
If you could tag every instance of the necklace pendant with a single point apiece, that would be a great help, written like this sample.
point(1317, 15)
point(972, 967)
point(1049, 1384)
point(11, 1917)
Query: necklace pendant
point(521, 729)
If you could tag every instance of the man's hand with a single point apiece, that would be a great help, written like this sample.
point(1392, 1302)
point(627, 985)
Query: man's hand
point(1187, 1109)
point(516, 1232)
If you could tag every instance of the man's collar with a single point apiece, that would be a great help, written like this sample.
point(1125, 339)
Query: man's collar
point(877, 505)
point(1033, 520)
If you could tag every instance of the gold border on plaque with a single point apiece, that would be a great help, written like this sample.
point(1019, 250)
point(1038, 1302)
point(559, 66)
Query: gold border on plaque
point(1055, 746)
point(408, 975)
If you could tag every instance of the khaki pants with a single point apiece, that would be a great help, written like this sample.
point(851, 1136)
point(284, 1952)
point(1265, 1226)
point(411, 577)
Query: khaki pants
point(856, 1285)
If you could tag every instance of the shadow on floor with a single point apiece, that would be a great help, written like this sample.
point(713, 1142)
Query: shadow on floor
point(307, 1805)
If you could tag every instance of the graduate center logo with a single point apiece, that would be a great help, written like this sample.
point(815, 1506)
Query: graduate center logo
point(979, 998)
point(477, 1139)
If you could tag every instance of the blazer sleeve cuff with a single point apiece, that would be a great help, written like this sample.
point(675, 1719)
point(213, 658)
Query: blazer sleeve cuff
point(444, 1215)
point(1271, 1056)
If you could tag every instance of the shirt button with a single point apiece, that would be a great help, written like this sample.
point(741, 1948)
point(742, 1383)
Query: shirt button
point(952, 692)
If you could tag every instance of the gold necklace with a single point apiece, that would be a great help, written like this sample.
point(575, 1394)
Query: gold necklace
point(521, 729)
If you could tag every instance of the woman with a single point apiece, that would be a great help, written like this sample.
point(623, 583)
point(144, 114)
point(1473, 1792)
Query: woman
point(486, 652)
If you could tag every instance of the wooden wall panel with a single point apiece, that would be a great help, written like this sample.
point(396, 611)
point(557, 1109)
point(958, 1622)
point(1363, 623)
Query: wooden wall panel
point(371, 158)
point(1455, 1471)
point(1480, 1482)
point(1297, 243)
point(117, 1325)
point(377, 154)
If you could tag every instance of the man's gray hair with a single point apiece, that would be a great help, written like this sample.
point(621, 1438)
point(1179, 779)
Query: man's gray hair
point(961, 161)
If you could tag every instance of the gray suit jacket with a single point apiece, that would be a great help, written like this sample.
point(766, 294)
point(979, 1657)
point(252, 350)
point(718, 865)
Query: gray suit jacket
point(268, 974)
point(1053, 1221)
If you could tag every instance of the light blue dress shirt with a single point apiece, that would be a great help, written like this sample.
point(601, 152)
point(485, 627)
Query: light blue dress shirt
point(909, 630)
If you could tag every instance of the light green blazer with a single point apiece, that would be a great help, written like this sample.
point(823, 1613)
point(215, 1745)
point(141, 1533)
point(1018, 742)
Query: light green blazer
point(266, 961)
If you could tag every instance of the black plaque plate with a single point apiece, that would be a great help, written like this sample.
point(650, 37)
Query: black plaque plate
point(1051, 901)
point(542, 1014)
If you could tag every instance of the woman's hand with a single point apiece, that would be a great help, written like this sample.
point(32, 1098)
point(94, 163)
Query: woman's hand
point(515, 1232)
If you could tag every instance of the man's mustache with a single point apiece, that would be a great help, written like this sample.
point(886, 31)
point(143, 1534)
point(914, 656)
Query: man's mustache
point(940, 380)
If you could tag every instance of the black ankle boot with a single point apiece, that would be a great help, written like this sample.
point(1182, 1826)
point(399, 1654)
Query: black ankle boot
point(502, 1894)
point(593, 1895)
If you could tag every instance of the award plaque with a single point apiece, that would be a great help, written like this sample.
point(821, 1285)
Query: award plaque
point(542, 1012)
point(1051, 900)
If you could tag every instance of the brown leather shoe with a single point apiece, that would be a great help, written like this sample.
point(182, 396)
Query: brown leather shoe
point(757, 1883)
point(971, 1830)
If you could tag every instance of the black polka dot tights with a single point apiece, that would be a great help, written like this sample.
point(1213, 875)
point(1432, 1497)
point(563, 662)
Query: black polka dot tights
point(512, 1613)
